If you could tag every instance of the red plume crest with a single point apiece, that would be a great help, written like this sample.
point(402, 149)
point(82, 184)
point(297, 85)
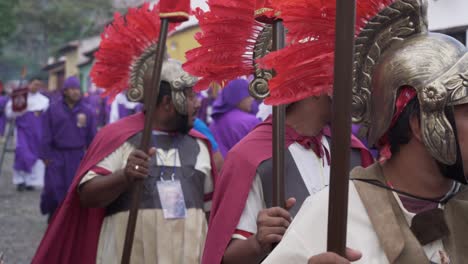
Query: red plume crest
point(227, 38)
point(305, 67)
point(122, 43)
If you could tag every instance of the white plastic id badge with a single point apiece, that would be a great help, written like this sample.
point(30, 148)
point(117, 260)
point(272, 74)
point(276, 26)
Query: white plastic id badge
point(172, 199)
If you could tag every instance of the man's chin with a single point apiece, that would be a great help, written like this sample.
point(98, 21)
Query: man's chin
point(184, 124)
point(185, 128)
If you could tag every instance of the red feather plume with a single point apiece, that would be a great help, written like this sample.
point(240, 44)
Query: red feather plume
point(227, 38)
point(305, 67)
point(123, 42)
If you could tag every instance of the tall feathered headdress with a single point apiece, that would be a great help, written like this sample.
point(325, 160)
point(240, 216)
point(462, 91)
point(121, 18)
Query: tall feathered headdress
point(305, 67)
point(125, 48)
point(227, 39)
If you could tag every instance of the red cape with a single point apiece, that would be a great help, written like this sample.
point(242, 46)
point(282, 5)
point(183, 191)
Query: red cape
point(234, 184)
point(72, 236)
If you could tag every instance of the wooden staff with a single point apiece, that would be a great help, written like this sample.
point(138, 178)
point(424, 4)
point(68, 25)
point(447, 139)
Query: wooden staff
point(341, 126)
point(279, 116)
point(151, 96)
point(279, 112)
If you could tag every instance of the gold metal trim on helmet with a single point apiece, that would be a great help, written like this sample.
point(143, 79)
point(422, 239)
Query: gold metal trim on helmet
point(137, 72)
point(178, 86)
point(172, 73)
point(258, 87)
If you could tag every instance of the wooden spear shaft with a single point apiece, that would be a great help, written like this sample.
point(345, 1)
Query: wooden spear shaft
point(151, 95)
point(279, 116)
point(341, 126)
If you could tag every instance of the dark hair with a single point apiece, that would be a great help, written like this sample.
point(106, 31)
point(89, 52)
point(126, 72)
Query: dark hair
point(164, 90)
point(400, 133)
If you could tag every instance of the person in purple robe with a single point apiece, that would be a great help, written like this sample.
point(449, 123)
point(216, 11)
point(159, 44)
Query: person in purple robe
point(69, 126)
point(98, 105)
point(233, 116)
point(53, 95)
point(28, 169)
point(3, 120)
point(121, 107)
point(107, 109)
point(206, 105)
point(3, 101)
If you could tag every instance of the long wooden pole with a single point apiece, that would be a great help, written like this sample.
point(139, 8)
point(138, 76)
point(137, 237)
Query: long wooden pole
point(279, 117)
point(341, 126)
point(151, 94)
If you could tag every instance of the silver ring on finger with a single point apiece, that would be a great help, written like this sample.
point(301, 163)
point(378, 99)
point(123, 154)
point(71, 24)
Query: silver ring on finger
point(137, 167)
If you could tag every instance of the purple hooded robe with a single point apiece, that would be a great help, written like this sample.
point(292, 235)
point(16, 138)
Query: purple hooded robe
point(121, 107)
point(67, 132)
point(230, 124)
point(98, 105)
point(3, 120)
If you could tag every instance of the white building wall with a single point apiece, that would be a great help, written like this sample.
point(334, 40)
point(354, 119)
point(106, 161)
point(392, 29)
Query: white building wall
point(444, 14)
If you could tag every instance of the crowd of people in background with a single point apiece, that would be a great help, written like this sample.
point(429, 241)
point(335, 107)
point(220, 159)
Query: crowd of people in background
point(189, 176)
point(56, 128)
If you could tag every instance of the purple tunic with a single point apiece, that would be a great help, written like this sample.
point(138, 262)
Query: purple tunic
point(121, 107)
point(67, 133)
point(231, 124)
point(28, 140)
point(124, 111)
point(53, 96)
point(205, 104)
point(98, 105)
point(107, 110)
point(231, 127)
point(3, 119)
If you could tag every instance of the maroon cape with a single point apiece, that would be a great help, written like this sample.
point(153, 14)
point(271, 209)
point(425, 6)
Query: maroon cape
point(234, 184)
point(72, 236)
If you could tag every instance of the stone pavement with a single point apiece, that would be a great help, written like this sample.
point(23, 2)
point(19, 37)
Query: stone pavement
point(21, 222)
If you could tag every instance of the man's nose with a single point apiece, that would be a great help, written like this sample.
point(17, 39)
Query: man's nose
point(197, 104)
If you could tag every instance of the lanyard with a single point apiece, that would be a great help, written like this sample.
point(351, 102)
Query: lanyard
point(163, 166)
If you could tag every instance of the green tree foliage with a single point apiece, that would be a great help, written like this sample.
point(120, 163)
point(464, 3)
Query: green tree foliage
point(43, 26)
point(7, 20)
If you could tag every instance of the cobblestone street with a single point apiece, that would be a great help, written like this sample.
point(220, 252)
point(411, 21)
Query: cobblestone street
point(21, 223)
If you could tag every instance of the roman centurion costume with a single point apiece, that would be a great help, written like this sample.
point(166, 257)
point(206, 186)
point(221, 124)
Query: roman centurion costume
point(177, 192)
point(232, 43)
point(397, 60)
point(432, 68)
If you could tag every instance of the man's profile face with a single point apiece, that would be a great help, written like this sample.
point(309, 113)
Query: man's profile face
point(246, 104)
point(193, 105)
point(184, 123)
point(73, 94)
point(34, 86)
point(320, 106)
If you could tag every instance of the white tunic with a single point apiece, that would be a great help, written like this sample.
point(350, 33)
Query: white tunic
point(307, 235)
point(157, 240)
point(315, 173)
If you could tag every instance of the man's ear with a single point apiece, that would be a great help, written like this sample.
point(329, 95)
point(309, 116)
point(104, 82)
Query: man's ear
point(167, 104)
point(415, 125)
